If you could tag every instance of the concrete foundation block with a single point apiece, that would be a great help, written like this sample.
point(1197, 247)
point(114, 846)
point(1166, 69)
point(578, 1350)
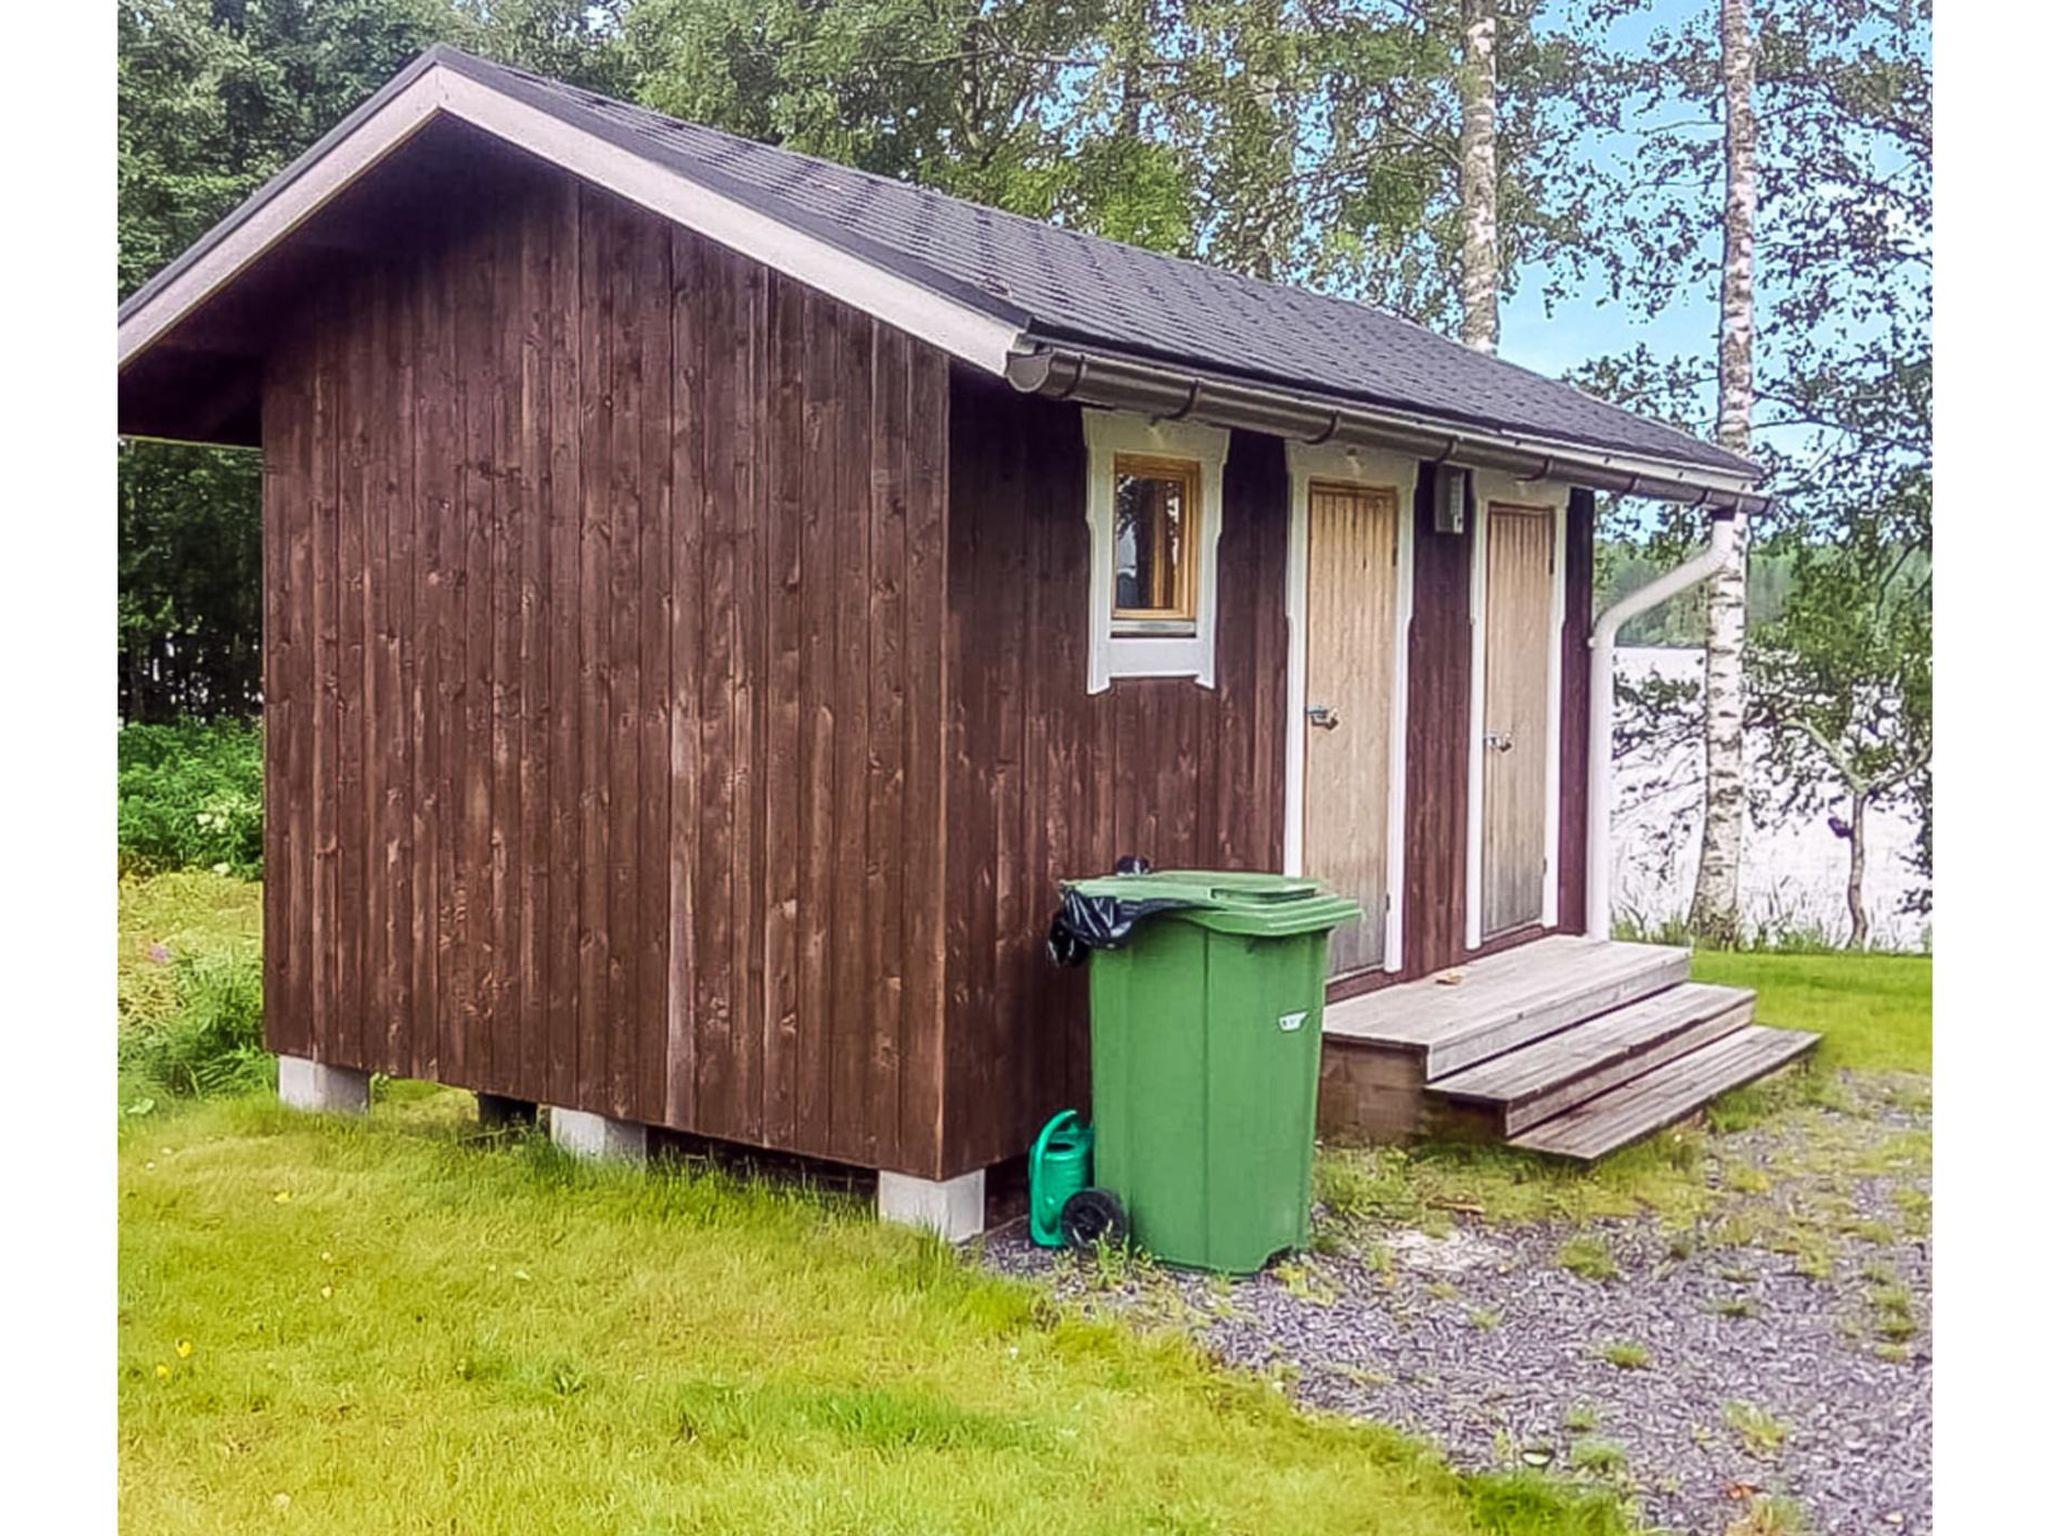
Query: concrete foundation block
point(319, 1086)
point(583, 1134)
point(954, 1208)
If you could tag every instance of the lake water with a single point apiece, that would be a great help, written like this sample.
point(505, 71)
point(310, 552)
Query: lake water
point(1793, 874)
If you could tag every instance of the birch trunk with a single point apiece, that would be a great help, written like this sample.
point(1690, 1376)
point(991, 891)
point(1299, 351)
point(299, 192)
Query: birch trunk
point(1859, 918)
point(1132, 85)
point(1716, 899)
point(1478, 178)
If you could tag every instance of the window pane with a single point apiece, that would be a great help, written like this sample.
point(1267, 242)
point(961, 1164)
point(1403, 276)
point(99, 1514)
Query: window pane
point(1151, 533)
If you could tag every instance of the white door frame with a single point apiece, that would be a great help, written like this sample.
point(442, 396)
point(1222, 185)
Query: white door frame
point(1490, 486)
point(1373, 469)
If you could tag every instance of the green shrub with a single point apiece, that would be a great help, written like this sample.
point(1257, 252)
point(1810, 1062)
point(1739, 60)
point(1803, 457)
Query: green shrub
point(191, 797)
point(213, 1042)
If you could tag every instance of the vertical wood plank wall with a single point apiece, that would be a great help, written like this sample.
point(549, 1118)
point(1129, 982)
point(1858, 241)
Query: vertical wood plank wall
point(1047, 780)
point(605, 622)
point(646, 736)
point(1439, 723)
point(1574, 694)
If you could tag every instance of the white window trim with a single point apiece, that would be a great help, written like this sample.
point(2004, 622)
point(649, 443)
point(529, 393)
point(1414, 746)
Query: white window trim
point(1344, 464)
point(1488, 487)
point(1110, 655)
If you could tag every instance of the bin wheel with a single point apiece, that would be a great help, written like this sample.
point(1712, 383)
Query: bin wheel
point(1093, 1216)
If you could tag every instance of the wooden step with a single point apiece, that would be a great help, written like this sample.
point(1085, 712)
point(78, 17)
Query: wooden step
point(1667, 1094)
point(1507, 1000)
point(1537, 1081)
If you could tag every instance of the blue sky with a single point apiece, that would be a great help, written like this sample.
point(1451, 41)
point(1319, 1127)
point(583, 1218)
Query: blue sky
point(1581, 327)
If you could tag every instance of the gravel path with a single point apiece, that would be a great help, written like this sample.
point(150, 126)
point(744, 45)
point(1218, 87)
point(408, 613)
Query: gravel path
point(1710, 1367)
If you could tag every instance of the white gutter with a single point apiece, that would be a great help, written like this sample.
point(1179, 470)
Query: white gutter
point(1720, 551)
point(1061, 372)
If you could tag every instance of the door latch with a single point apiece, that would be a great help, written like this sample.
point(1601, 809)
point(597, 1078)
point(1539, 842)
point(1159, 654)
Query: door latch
point(1322, 715)
point(1500, 741)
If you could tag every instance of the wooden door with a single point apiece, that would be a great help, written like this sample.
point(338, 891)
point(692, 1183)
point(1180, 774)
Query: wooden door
point(1515, 730)
point(1349, 758)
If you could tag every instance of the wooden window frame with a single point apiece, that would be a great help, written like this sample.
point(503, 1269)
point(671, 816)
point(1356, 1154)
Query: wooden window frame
point(1153, 646)
point(1180, 617)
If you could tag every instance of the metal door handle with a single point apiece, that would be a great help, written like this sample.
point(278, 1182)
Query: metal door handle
point(1500, 741)
point(1322, 715)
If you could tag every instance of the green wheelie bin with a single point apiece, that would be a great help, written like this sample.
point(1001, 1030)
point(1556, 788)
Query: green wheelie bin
point(1207, 1028)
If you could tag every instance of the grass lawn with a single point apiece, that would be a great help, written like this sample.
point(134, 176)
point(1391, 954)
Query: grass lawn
point(390, 1326)
point(383, 1327)
point(393, 1326)
point(1875, 1012)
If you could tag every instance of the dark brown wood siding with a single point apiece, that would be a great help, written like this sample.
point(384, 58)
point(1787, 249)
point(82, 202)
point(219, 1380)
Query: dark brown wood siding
point(1439, 735)
point(605, 672)
point(1574, 694)
point(646, 735)
point(1046, 780)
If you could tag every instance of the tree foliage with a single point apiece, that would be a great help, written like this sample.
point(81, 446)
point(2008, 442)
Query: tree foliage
point(1843, 683)
point(1310, 141)
point(1839, 680)
point(215, 97)
point(190, 603)
point(1307, 141)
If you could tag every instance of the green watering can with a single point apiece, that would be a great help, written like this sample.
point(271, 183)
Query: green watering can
point(1060, 1160)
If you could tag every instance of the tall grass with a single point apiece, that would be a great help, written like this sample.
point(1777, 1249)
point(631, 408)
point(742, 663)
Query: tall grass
point(190, 972)
point(191, 797)
point(211, 1042)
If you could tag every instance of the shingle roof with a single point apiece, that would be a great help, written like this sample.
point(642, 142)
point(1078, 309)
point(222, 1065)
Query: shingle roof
point(1061, 284)
point(1058, 285)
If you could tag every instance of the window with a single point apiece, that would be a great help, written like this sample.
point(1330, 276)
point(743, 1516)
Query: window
point(1155, 510)
point(1155, 543)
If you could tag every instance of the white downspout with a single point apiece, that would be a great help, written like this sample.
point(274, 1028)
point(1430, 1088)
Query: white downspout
point(1600, 727)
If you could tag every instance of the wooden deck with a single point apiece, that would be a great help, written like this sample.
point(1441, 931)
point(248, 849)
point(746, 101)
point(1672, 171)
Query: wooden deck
point(1668, 1094)
point(1564, 1046)
point(1507, 999)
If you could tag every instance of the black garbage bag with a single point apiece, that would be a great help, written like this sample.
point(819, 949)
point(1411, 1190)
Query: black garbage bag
point(1085, 923)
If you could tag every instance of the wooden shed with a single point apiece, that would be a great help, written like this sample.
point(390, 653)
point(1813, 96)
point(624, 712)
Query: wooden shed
point(714, 595)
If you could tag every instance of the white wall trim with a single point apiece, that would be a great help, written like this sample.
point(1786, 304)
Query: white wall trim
point(953, 327)
point(1475, 757)
point(1110, 655)
point(1373, 467)
point(1490, 486)
point(1553, 708)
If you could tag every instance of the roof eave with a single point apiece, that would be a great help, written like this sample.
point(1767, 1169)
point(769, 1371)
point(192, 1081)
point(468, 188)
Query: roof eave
point(978, 328)
point(1099, 377)
point(983, 334)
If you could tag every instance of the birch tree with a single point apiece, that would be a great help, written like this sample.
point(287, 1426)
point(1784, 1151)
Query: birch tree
point(1840, 223)
point(1478, 177)
point(1843, 679)
point(1716, 898)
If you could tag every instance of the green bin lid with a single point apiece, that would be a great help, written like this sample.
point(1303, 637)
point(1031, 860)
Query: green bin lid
point(1232, 900)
